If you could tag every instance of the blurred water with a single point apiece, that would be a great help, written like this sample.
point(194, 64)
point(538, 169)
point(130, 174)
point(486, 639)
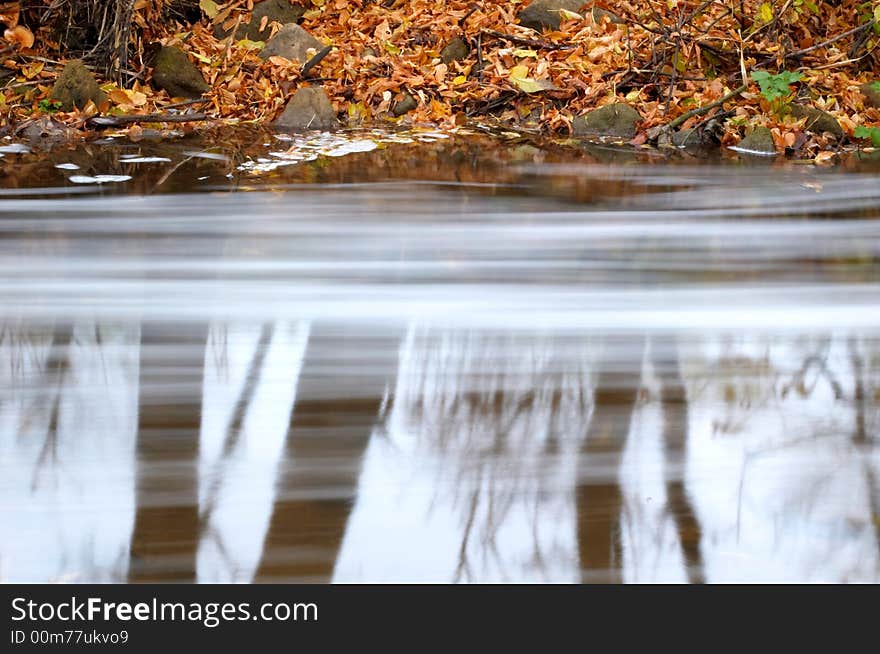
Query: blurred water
point(431, 360)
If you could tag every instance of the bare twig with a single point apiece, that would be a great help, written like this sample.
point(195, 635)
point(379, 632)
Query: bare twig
point(699, 111)
point(532, 43)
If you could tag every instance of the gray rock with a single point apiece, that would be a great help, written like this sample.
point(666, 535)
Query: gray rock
point(617, 119)
point(308, 109)
point(291, 42)
point(44, 132)
point(544, 14)
point(275, 11)
point(689, 138)
point(456, 50)
point(404, 104)
point(871, 91)
point(818, 121)
point(599, 14)
point(75, 86)
point(174, 72)
point(760, 141)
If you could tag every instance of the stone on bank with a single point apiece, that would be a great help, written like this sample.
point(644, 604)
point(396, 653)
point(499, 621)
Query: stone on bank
point(308, 109)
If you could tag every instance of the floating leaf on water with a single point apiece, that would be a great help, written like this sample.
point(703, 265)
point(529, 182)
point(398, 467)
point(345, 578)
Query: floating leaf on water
point(67, 166)
point(98, 179)
point(14, 148)
point(136, 159)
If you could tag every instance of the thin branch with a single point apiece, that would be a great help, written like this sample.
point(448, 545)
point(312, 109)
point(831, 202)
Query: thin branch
point(699, 111)
point(116, 121)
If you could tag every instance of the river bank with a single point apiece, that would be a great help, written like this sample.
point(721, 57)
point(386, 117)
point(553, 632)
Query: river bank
point(796, 80)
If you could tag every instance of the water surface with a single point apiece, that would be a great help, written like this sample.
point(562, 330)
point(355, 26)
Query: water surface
point(407, 357)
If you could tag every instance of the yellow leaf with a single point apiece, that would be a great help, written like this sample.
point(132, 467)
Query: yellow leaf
point(209, 7)
point(391, 48)
point(202, 58)
point(461, 79)
point(766, 12)
point(247, 44)
point(519, 72)
point(565, 13)
point(518, 76)
point(525, 53)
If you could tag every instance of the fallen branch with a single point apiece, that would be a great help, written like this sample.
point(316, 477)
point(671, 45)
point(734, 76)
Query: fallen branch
point(532, 43)
point(812, 48)
point(314, 61)
point(699, 111)
point(118, 121)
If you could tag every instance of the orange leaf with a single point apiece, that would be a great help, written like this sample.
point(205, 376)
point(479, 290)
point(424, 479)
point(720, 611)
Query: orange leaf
point(119, 96)
point(19, 35)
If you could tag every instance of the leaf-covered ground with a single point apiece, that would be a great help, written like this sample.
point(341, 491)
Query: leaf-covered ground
point(665, 58)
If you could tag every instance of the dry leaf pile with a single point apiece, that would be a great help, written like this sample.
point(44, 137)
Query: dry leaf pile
point(664, 57)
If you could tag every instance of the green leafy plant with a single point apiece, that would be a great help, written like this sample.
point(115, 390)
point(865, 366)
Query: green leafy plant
point(775, 87)
point(48, 106)
point(872, 133)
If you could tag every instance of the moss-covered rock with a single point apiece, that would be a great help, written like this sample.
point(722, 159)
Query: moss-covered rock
point(308, 109)
point(75, 86)
point(544, 14)
point(174, 72)
point(818, 121)
point(759, 141)
point(871, 91)
point(456, 50)
point(292, 42)
point(617, 119)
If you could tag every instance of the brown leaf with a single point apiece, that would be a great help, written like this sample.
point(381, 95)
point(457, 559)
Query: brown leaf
point(20, 36)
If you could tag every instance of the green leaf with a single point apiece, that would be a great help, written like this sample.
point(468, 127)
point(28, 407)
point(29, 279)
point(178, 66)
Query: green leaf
point(209, 8)
point(766, 12)
point(872, 133)
point(774, 87)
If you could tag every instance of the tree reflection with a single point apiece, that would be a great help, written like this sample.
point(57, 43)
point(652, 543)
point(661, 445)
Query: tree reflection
point(195, 452)
point(251, 376)
point(471, 476)
point(67, 437)
point(779, 486)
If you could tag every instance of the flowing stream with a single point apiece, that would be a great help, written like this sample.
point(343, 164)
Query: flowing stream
point(395, 357)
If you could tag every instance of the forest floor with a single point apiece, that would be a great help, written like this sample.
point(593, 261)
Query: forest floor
point(728, 67)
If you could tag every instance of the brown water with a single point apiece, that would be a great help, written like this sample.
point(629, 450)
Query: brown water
point(403, 357)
